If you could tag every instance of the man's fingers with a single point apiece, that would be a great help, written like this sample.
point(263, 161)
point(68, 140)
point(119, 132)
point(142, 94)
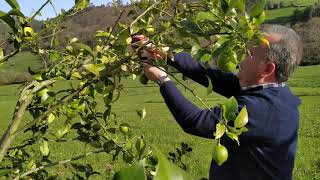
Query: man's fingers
point(146, 66)
point(140, 38)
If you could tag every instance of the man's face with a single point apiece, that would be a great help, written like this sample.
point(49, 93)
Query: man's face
point(252, 67)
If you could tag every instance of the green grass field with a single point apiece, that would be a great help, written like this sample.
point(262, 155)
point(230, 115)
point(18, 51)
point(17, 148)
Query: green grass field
point(284, 15)
point(163, 133)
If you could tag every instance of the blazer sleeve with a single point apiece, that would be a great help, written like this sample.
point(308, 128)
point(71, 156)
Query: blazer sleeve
point(199, 122)
point(223, 83)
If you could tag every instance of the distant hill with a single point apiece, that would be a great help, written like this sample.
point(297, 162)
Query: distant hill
point(84, 25)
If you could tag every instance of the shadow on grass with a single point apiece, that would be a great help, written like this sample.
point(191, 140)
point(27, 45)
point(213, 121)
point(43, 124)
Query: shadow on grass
point(280, 20)
point(318, 165)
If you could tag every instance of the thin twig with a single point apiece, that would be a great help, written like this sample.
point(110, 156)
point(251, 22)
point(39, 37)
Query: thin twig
point(54, 9)
point(53, 34)
point(175, 9)
point(186, 87)
point(7, 57)
point(117, 21)
point(35, 14)
point(142, 14)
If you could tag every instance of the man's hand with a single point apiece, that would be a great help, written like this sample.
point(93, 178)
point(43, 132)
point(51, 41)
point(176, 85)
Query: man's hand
point(149, 51)
point(153, 73)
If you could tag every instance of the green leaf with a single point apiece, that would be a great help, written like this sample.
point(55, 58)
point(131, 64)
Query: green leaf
point(129, 40)
point(104, 34)
point(230, 107)
point(225, 5)
point(260, 19)
point(244, 129)
point(166, 170)
point(178, 50)
point(1, 53)
point(233, 137)
point(124, 67)
point(9, 20)
point(38, 77)
point(13, 3)
point(144, 4)
point(84, 48)
point(51, 118)
point(194, 50)
point(134, 30)
point(125, 37)
point(4, 172)
point(107, 98)
point(202, 16)
point(240, 4)
point(131, 172)
point(220, 46)
point(140, 146)
point(257, 9)
point(220, 130)
point(44, 148)
point(142, 113)
point(54, 56)
point(191, 26)
point(76, 75)
point(16, 12)
point(81, 4)
point(236, 131)
point(265, 41)
point(134, 76)
point(242, 118)
point(206, 57)
point(93, 69)
point(227, 62)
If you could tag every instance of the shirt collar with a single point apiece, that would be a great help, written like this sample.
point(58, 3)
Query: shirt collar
point(264, 86)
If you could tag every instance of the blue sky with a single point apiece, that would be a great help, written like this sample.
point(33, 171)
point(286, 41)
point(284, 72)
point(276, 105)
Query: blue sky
point(30, 6)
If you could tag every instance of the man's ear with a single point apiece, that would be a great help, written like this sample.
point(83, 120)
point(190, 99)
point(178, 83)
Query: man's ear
point(270, 69)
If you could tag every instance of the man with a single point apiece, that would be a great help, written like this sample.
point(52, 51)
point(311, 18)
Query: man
point(268, 149)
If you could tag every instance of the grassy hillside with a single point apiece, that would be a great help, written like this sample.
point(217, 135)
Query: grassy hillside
point(163, 133)
point(16, 69)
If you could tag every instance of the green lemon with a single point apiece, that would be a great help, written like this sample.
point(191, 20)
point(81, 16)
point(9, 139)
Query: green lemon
point(124, 129)
point(150, 29)
point(221, 154)
point(28, 33)
point(42, 92)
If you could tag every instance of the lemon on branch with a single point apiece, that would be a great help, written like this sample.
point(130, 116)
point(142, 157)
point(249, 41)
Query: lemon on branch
point(28, 33)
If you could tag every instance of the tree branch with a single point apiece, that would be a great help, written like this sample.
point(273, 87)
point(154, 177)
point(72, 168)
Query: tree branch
point(7, 57)
point(40, 9)
point(22, 104)
point(142, 14)
point(117, 21)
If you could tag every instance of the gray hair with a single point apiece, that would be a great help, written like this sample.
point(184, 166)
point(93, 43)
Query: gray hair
point(285, 53)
